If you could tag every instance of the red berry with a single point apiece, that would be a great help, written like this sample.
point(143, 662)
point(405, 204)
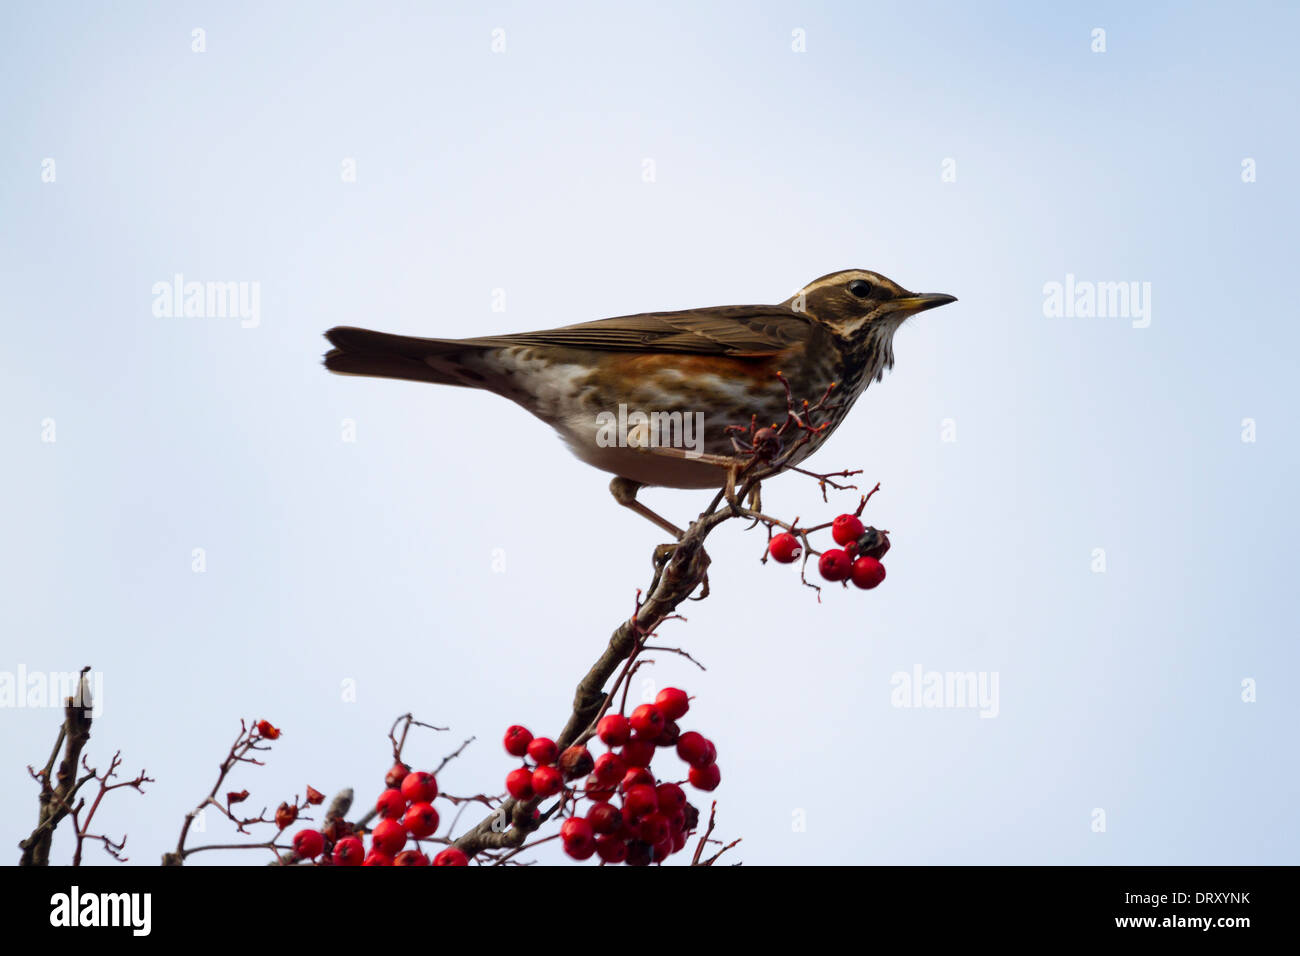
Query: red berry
point(614, 730)
point(673, 702)
point(517, 740)
point(867, 572)
point(268, 731)
point(834, 565)
point(609, 769)
point(785, 548)
point(648, 721)
point(639, 801)
point(396, 774)
point(578, 837)
point(668, 738)
point(308, 844)
point(547, 781)
point(543, 750)
point(672, 798)
point(694, 749)
point(420, 787)
point(375, 858)
point(636, 776)
point(605, 818)
point(596, 791)
point(285, 815)
point(349, 851)
point(679, 840)
point(519, 783)
point(706, 778)
point(846, 529)
point(452, 856)
point(612, 849)
point(639, 753)
point(410, 858)
point(388, 837)
point(662, 850)
point(653, 829)
point(391, 804)
point(421, 820)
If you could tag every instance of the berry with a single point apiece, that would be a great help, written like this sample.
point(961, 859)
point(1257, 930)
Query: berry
point(672, 798)
point(605, 818)
point(410, 858)
point(694, 749)
point(375, 858)
point(609, 769)
point(547, 781)
point(596, 791)
point(614, 730)
point(285, 815)
point(640, 801)
point(846, 529)
point(639, 753)
point(396, 774)
point(314, 796)
point(308, 844)
point(679, 840)
point(867, 572)
point(388, 837)
point(349, 851)
point(576, 761)
point(785, 548)
point(517, 740)
point(578, 837)
point(421, 820)
point(420, 787)
point(668, 738)
point(612, 849)
point(648, 721)
point(834, 565)
point(706, 778)
point(662, 850)
point(636, 776)
point(520, 783)
point(452, 856)
point(391, 804)
point(653, 829)
point(543, 751)
point(268, 731)
point(673, 702)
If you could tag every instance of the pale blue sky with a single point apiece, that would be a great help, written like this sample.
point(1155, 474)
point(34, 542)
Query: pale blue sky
point(371, 561)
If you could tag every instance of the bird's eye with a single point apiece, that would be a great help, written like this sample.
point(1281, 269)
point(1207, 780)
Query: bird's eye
point(860, 287)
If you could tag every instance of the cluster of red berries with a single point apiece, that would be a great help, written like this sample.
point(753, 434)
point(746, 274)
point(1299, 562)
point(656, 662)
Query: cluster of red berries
point(406, 811)
point(857, 560)
point(653, 818)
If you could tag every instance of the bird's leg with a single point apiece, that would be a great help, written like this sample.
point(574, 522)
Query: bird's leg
point(624, 491)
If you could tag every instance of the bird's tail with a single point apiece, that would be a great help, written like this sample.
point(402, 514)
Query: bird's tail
point(382, 355)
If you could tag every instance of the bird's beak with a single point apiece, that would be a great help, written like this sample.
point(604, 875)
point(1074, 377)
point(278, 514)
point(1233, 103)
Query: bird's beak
point(912, 304)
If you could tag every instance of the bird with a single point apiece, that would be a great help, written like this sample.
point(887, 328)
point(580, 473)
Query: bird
point(611, 387)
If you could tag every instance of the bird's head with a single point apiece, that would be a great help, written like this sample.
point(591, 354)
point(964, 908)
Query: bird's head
point(856, 304)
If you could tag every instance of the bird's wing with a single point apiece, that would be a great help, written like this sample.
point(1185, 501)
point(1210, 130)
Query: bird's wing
point(737, 330)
